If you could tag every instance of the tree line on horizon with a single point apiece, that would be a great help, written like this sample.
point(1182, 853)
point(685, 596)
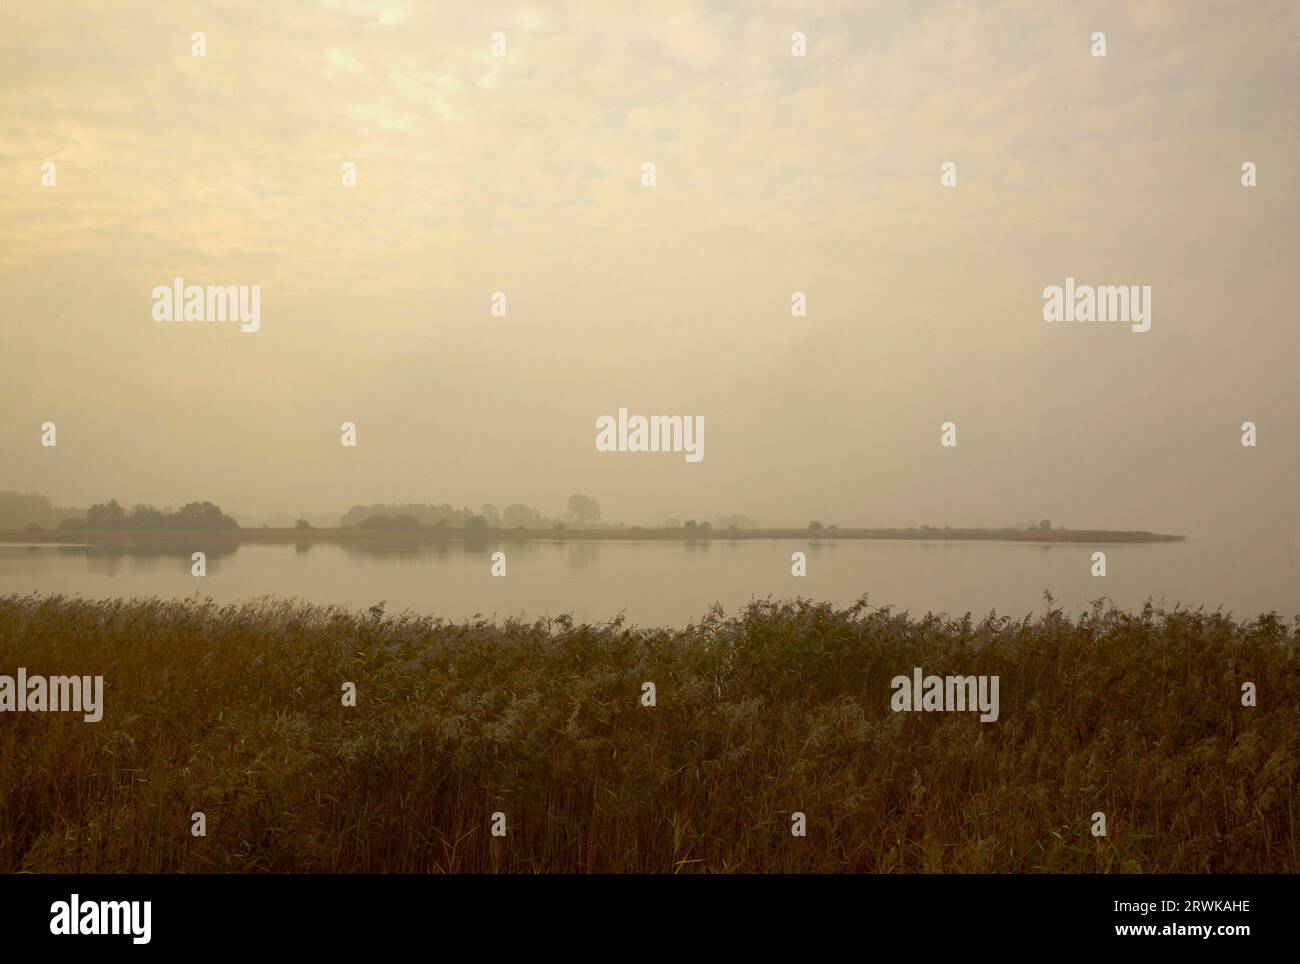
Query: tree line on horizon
point(105, 516)
point(35, 512)
point(19, 510)
point(582, 510)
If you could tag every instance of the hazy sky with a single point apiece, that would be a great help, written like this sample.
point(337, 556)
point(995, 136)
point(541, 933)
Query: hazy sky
point(775, 174)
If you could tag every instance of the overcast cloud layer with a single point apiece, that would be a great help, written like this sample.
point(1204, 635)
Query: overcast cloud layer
point(775, 174)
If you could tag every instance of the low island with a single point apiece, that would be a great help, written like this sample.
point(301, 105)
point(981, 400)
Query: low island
point(431, 534)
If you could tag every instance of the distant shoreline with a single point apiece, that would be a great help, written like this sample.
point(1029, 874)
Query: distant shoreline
point(429, 534)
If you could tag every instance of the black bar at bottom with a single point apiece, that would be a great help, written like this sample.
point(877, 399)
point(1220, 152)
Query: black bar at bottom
point(334, 913)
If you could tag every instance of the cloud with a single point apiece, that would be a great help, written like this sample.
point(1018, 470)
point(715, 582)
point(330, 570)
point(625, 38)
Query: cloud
point(478, 173)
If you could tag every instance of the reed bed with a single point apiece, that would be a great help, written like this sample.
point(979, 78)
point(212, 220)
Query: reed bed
point(236, 711)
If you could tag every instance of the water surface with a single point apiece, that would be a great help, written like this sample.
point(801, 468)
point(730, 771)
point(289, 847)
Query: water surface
point(672, 583)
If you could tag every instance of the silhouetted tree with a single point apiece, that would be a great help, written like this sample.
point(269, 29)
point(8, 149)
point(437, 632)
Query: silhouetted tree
point(145, 517)
point(105, 515)
point(584, 508)
point(110, 515)
point(201, 515)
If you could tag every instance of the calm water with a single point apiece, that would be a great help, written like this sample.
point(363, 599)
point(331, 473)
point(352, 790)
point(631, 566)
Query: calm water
point(658, 583)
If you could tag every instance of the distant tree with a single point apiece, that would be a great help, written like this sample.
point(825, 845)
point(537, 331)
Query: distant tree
point(18, 510)
point(302, 524)
point(814, 526)
point(35, 527)
point(476, 523)
point(691, 524)
point(672, 523)
point(522, 516)
point(490, 514)
point(201, 515)
point(145, 517)
point(560, 526)
point(405, 522)
point(706, 525)
point(376, 522)
point(584, 508)
point(1045, 525)
point(105, 515)
point(110, 515)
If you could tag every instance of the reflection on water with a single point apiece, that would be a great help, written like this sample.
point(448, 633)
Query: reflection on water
point(583, 555)
point(107, 560)
point(672, 583)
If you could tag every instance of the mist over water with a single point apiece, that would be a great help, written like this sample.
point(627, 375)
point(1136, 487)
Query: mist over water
point(673, 583)
point(803, 276)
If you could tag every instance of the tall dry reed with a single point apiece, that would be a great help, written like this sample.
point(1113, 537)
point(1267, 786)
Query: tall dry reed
point(236, 711)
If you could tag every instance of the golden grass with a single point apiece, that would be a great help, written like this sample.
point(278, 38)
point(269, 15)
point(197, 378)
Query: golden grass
point(236, 711)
